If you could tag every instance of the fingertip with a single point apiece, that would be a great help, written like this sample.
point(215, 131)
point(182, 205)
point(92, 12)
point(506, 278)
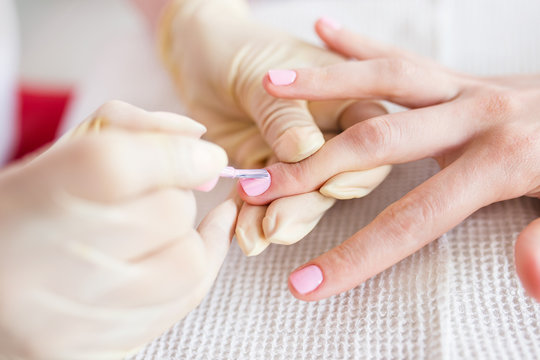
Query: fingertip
point(208, 186)
point(205, 152)
point(298, 84)
point(286, 179)
point(278, 185)
point(280, 83)
point(261, 199)
point(219, 223)
point(305, 280)
point(329, 23)
point(206, 161)
point(178, 123)
point(528, 269)
point(249, 233)
point(256, 191)
point(270, 88)
point(255, 187)
point(326, 28)
point(295, 293)
point(267, 84)
point(527, 259)
point(282, 77)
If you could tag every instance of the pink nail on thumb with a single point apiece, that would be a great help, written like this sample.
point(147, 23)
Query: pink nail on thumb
point(255, 187)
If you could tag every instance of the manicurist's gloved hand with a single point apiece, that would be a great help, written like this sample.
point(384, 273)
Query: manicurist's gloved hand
point(98, 250)
point(484, 133)
point(218, 56)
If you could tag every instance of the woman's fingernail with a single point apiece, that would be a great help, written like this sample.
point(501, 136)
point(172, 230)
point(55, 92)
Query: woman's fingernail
point(255, 187)
point(330, 23)
point(306, 279)
point(208, 186)
point(282, 77)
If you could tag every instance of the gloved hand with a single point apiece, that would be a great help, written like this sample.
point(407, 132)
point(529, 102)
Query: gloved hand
point(218, 56)
point(98, 250)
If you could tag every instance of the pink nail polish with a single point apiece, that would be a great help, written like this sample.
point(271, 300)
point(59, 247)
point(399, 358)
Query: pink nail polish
point(255, 187)
point(282, 77)
point(208, 186)
point(306, 279)
point(330, 23)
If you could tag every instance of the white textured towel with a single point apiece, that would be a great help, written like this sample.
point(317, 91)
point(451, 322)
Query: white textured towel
point(457, 298)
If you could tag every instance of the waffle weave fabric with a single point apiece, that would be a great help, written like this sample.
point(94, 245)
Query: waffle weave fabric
point(457, 298)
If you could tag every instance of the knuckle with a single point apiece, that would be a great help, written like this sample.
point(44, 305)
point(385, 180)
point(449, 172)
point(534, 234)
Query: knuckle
point(511, 144)
point(411, 216)
point(512, 155)
point(398, 67)
point(498, 104)
point(348, 256)
point(322, 76)
point(396, 74)
point(375, 138)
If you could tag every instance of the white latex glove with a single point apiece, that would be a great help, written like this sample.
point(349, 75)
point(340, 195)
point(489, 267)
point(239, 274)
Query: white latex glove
point(98, 250)
point(219, 56)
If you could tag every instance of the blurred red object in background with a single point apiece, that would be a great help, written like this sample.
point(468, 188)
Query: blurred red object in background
point(39, 114)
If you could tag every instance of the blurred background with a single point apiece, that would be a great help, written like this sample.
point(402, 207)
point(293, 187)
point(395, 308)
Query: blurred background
point(60, 41)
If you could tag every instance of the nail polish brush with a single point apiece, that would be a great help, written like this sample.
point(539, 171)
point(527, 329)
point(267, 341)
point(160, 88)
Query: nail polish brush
point(230, 172)
point(253, 181)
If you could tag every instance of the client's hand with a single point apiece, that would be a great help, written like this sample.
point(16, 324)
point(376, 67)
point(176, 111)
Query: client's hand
point(218, 56)
point(484, 133)
point(98, 250)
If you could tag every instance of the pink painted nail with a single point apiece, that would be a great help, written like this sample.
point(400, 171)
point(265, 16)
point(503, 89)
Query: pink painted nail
point(330, 23)
point(306, 279)
point(282, 77)
point(208, 186)
point(255, 187)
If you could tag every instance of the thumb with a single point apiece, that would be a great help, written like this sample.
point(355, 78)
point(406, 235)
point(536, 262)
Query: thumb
point(217, 230)
point(287, 125)
point(527, 258)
